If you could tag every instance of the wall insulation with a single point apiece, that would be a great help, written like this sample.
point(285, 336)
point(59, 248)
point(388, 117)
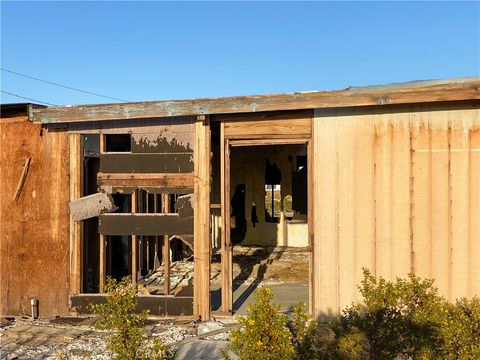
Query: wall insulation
point(396, 189)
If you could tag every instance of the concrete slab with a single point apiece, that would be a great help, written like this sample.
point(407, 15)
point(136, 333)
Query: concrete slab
point(286, 295)
point(202, 349)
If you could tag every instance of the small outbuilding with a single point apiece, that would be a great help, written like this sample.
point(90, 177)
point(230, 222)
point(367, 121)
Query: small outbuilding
point(382, 177)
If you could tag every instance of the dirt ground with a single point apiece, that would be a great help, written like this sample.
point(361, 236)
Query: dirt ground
point(265, 265)
point(74, 338)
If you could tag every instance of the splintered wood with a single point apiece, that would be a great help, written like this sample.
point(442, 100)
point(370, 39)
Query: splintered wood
point(91, 206)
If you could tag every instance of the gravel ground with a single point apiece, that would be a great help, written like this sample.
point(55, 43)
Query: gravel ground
point(27, 339)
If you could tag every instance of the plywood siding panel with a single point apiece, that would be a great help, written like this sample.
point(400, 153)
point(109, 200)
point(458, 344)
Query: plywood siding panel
point(401, 194)
point(325, 221)
point(416, 187)
point(363, 205)
point(34, 259)
point(460, 203)
point(440, 202)
point(383, 197)
point(421, 194)
point(346, 224)
point(475, 205)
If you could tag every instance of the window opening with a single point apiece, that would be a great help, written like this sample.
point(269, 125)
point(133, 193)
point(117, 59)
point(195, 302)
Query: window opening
point(273, 194)
point(118, 142)
point(123, 202)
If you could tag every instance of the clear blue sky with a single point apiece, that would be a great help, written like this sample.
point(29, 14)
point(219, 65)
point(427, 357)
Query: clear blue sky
point(158, 50)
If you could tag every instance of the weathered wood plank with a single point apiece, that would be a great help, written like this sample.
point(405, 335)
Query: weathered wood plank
point(134, 243)
point(202, 251)
point(146, 163)
point(76, 228)
point(144, 224)
point(161, 180)
point(102, 275)
point(413, 92)
point(252, 126)
point(90, 206)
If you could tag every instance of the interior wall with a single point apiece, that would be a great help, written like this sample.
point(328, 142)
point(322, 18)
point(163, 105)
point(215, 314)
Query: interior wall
point(397, 189)
point(34, 241)
point(248, 167)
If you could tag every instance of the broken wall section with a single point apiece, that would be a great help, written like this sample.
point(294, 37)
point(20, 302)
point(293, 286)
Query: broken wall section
point(34, 254)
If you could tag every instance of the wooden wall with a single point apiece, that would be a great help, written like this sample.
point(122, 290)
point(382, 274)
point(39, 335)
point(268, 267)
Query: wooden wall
point(397, 189)
point(34, 240)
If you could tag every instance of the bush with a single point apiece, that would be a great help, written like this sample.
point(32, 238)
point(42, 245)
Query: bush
point(117, 314)
point(460, 330)
point(397, 319)
point(311, 340)
point(404, 319)
point(263, 334)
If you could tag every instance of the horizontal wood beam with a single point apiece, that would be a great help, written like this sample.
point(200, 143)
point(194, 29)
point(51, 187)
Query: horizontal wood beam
point(167, 180)
point(261, 142)
point(144, 224)
point(411, 92)
point(146, 163)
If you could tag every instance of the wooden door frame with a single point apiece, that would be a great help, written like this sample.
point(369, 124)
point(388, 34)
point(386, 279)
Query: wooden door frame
point(226, 248)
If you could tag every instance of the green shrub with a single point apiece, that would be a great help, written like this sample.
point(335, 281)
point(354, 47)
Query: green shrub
point(263, 334)
point(398, 318)
point(117, 314)
point(460, 330)
point(403, 319)
point(311, 340)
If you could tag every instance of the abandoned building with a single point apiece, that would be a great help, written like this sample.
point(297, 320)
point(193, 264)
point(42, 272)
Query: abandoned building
point(383, 177)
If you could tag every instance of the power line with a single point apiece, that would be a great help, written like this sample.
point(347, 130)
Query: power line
point(27, 98)
point(63, 86)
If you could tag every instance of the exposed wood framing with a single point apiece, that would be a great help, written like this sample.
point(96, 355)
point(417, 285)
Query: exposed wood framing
point(226, 248)
point(144, 224)
point(134, 241)
point(155, 248)
point(166, 247)
point(76, 228)
point(102, 264)
point(101, 139)
point(266, 142)
point(22, 179)
point(179, 180)
point(146, 163)
point(412, 92)
point(201, 288)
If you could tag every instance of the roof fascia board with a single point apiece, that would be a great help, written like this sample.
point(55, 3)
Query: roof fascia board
point(404, 93)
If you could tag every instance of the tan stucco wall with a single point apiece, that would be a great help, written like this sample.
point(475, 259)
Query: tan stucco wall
point(396, 189)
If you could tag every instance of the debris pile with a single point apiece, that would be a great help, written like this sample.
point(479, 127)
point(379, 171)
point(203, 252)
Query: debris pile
point(181, 275)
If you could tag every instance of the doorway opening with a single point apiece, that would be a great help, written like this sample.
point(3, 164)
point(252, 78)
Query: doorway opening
point(267, 225)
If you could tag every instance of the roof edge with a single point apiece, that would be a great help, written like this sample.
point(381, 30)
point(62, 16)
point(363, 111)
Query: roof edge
point(467, 88)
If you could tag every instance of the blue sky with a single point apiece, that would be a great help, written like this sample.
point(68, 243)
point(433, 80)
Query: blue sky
point(142, 51)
